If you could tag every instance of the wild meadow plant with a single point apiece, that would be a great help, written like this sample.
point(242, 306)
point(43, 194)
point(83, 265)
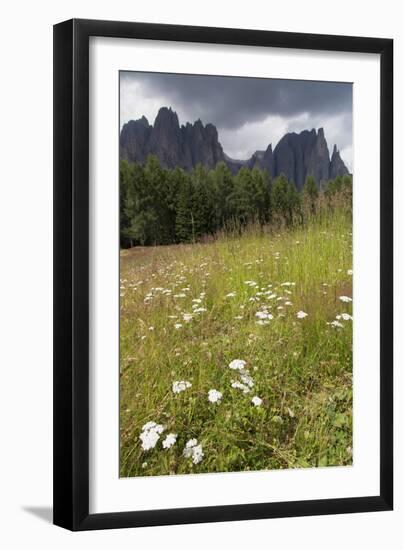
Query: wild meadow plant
point(236, 354)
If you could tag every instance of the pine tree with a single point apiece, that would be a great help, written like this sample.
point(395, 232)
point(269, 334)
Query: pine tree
point(279, 196)
point(294, 204)
point(201, 207)
point(310, 194)
point(184, 222)
point(221, 187)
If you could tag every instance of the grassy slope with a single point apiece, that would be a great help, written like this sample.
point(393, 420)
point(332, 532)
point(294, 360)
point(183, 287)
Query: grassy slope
point(301, 368)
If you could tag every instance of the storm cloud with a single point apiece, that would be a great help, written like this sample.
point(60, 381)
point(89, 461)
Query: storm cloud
point(249, 113)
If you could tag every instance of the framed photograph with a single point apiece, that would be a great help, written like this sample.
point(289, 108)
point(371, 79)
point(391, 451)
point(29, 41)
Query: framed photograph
point(223, 240)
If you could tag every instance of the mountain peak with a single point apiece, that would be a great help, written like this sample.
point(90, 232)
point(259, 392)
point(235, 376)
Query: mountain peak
point(296, 155)
point(337, 166)
point(166, 114)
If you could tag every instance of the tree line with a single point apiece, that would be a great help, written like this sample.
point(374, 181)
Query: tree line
point(166, 206)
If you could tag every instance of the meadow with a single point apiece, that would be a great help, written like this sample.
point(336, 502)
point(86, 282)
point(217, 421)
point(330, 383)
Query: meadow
point(236, 354)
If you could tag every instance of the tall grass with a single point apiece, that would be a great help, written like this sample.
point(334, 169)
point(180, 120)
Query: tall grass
point(301, 367)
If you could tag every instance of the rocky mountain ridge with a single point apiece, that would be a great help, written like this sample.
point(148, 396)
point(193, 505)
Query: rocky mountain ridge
point(295, 155)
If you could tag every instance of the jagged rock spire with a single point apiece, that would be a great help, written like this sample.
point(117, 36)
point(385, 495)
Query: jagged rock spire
point(296, 155)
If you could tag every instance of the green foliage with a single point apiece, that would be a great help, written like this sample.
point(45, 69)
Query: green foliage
point(184, 221)
point(301, 368)
point(339, 184)
point(286, 201)
point(160, 206)
point(310, 194)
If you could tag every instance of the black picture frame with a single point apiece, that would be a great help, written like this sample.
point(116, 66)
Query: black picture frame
point(71, 274)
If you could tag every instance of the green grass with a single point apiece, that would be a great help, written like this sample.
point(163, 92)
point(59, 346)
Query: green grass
point(301, 368)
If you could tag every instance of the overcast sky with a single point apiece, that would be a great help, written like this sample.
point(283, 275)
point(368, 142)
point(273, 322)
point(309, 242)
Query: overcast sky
point(249, 113)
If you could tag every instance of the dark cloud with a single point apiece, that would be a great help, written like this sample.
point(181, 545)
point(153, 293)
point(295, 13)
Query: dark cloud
point(249, 113)
point(231, 102)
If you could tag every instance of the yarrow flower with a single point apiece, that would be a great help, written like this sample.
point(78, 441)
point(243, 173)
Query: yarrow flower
point(199, 310)
point(214, 396)
point(169, 441)
point(349, 271)
point(301, 314)
point(264, 315)
point(336, 324)
point(150, 435)
point(345, 299)
point(193, 451)
point(178, 325)
point(257, 401)
point(344, 316)
point(237, 364)
point(231, 295)
point(187, 317)
point(181, 385)
point(238, 385)
point(247, 379)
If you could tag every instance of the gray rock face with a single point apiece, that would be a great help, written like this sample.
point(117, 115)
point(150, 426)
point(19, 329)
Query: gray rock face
point(296, 155)
point(264, 160)
point(300, 155)
point(337, 166)
point(174, 145)
point(134, 139)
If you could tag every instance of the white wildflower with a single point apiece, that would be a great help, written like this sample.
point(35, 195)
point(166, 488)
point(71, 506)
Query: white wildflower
point(187, 317)
point(169, 441)
point(238, 385)
point(349, 271)
point(214, 396)
point(345, 299)
point(263, 315)
point(180, 386)
point(257, 401)
point(231, 295)
point(237, 364)
point(345, 317)
point(301, 314)
point(199, 310)
point(193, 451)
point(248, 380)
point(336, 324)
point(150, 435)
point(178, 326)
